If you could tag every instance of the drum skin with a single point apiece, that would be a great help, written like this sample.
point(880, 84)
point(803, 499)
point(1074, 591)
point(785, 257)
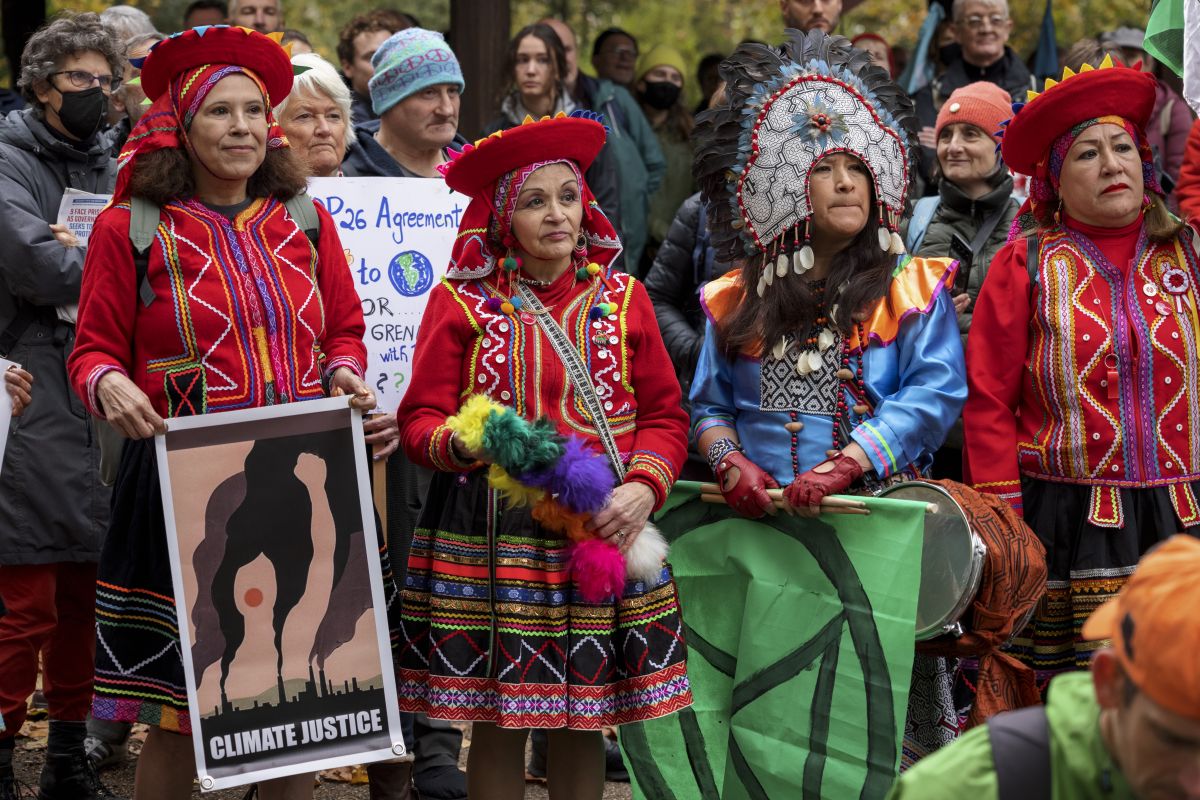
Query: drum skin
point(1012, 584)
point(951, 559)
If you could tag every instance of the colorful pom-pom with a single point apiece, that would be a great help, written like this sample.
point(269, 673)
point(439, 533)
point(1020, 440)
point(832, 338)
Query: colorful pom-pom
point(553, 517)
point(493, 304)
point(507, 308)
point(512, 491)
point(596, 311)
point(511, 263)
point(581, 274)
point(583, 480)
point(516, 302)
point(598, 569)
point(506, 439)
point(470, 421)
point(593, 268)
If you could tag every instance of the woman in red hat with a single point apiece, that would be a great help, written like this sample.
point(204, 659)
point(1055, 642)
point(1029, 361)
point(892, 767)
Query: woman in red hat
point(1084, 403)
point(497, 628)
point(237, 310)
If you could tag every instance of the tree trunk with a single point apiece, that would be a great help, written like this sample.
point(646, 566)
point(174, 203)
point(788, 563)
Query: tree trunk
point(19, 19)
point(479, 36)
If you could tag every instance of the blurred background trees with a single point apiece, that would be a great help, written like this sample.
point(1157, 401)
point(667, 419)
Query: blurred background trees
point(695, 27)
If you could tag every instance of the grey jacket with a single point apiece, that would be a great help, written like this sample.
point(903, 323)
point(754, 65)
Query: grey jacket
point(959, 214)
point(53, 507)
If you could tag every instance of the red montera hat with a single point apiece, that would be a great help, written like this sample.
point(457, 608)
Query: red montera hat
point(1109, 90)
point(572, 138)
point(219, 44)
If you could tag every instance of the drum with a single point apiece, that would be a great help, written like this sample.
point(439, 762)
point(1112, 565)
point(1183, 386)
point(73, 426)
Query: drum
point(952, 559)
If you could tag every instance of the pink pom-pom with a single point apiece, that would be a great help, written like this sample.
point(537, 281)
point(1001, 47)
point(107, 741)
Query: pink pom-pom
point(598, 569)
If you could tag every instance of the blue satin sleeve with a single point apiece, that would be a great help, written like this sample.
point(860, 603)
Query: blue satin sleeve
point(711, 393)
point(919, 385)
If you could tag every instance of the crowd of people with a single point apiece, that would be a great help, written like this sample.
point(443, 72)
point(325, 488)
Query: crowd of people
point(842, 285)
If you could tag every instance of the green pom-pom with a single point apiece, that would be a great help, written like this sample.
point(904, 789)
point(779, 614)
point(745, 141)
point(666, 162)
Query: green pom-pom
point(510, 263)
point(581, 274)
point(544, 448)
point(506, 439)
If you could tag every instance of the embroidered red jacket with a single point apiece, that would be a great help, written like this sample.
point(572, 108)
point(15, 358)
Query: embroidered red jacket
point(245, 314)
point(464, 349)
point(1091, 377)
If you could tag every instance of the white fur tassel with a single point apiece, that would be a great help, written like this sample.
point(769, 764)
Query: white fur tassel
point(644, 560)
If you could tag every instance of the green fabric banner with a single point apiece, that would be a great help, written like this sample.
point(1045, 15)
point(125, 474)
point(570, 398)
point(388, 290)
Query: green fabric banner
point(800, 636)
point(1164, 34)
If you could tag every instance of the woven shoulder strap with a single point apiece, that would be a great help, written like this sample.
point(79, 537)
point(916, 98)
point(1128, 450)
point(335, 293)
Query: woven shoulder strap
point(577, 373)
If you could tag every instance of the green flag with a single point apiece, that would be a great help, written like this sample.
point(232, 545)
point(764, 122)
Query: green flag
point(1164, 34)
point(800, 648)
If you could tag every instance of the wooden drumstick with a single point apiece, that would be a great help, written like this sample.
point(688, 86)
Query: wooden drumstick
point(719, 499)
point(832, 501)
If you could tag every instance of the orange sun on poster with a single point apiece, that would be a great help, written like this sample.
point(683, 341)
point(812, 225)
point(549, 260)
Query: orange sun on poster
point(253, 597)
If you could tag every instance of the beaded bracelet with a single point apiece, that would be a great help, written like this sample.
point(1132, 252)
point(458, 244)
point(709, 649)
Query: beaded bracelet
point(721, 448)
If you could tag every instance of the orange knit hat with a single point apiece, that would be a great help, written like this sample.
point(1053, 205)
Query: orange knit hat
point(982, 104)
point(1152, 624)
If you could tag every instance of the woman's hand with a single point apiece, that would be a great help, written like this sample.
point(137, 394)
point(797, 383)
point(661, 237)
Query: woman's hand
point(345, 382)
point(19, 384)
point(961, 301)
point(625, 515)
point(383, 434)
point(744, 485)
point(127, 407)
point(834, 475)
point(64, 236)
point(464, 453)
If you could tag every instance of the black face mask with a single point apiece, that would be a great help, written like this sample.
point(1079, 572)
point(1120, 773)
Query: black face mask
point(661, 94)
point(83, 112)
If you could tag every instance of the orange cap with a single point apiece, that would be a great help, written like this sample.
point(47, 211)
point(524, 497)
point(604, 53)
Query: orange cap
point(1153, 627)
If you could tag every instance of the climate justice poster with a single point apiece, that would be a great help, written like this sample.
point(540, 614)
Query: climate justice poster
point(279, 593)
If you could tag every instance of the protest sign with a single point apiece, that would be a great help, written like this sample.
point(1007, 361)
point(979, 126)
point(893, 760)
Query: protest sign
point(397, 234)
point(800, 650)
point(6, 409)
point(78, 211)
point(278, 592)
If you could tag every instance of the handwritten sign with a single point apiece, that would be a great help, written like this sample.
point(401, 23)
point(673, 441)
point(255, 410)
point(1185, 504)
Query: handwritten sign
point(397, 234)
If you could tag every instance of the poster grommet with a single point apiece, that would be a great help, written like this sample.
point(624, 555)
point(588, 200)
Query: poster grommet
point(398, 748)
point(207, 783)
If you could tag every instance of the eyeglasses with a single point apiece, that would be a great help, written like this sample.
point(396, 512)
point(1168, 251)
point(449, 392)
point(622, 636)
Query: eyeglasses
point(86, 80)
point(623, 52)
point(977, 21)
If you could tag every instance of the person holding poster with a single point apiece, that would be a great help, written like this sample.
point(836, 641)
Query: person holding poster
point(1083, 370)
point(240, 306)
point(500, 625)
point(831, 360)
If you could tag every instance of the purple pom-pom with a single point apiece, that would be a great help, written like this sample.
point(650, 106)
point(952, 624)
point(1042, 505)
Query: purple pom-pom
point(596, 312)
point(493, 304)
point(598, 569)
point(582, 479)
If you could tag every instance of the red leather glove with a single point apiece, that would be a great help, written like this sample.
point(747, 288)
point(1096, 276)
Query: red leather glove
point(748, 496)
point(831, 476)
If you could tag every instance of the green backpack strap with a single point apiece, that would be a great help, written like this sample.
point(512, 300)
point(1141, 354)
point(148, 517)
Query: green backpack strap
point(143, 229)
point(304, 211)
